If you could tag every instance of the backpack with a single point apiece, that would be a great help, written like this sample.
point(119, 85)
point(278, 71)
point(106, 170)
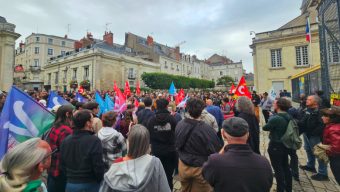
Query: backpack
point(291, 139)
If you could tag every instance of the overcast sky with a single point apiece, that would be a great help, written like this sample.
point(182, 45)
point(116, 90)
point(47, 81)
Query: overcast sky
point(207, 26)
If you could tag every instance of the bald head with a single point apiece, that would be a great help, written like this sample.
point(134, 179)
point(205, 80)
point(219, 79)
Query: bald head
point(209, 102)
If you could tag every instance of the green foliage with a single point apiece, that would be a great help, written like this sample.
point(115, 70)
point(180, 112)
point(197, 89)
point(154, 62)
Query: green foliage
point(225, 80)
point(163, 81)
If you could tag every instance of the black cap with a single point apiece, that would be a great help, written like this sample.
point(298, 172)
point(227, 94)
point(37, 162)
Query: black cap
point(235, 126)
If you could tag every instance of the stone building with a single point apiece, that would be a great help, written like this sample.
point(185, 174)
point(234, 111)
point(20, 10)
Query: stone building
point(7, 49)
point(284, 52)
point(34, 54)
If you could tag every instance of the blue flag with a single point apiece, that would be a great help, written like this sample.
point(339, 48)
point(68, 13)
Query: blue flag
point(109, 104)
point(172, 89)
point(80, 98)
point(101, 103)
point(22, 118)
point(54, 99)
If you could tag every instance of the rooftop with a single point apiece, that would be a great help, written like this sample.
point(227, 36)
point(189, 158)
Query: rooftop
point(2, 20)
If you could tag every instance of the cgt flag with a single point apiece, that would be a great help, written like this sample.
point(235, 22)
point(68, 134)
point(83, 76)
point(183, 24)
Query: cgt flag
point(138, 89)
point(22, 118)
point(127, 91)
point(54, 99)
point(242, 89)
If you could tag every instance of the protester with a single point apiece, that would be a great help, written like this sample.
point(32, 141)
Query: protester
point(237, 167)
point(215, 111)
point(278, 153)
point(22, 166)
point(225, 107)
point(113, 142)
point(255, 98)
point(331, 137)
point(94, 108)
point(56, 180)
point(208, 119)
point(82, 156)
point(311, 126)
point(2, 101)
point(162, 136)
point(173, 112)
point(145, 114)
point(195, 141)
point(266, 105)
point(245, 110)
point(124, 122)
point(294, 160)
point(138, 171)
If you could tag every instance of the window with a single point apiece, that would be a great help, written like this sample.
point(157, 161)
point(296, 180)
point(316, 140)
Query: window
point(62, 52)
point(49, 76)
point(74, 75)
point(37, 39)
point(334, 53)
point(50, 51)
point(36, 62)
point(221, 72)
point(165, 65)
point(63, 43)
point(276, 58)
point(301, 55)
point(50, 41)
point(131, 73)
point(65, 74)
point(86, 72)
point(56, 77)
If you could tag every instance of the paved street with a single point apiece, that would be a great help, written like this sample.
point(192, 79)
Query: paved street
point(305, 184)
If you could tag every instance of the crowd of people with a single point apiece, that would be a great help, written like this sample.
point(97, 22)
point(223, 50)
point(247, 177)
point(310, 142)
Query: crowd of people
point(213, 144)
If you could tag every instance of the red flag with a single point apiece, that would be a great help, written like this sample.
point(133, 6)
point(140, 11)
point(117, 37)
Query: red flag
point(81, 89)
point(120, 100)
point(115, 87)
point(242, 89)
point(136, 103)
point(138, 89)
point(180, 96)
point(127, 91)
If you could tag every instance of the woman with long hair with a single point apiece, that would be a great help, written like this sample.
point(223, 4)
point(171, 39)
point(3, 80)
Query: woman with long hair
point(61, 128)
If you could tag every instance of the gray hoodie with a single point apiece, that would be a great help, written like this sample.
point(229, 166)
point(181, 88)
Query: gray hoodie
point(144, 174)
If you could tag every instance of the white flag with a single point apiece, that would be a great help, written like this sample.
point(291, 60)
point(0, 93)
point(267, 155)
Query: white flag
point(272, 94)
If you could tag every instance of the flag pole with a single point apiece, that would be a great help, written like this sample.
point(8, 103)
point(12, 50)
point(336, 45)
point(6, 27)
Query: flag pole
point(310, 44)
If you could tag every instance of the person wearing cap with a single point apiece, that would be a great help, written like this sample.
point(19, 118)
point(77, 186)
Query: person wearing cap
point(278, 152)
point(237, 167)
point(331, 137)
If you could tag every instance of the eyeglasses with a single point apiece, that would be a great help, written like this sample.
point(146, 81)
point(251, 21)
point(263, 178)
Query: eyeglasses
point(50, 154)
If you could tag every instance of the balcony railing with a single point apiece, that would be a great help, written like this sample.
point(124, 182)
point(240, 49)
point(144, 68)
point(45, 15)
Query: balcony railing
point(86, 77)
point(35, 68)
point(74, 78)
point(132, 76)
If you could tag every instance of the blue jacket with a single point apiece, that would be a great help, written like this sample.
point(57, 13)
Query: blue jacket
point(217, 113)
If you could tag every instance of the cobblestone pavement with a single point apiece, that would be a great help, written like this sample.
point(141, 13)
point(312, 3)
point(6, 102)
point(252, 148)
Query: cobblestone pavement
point(305, 184)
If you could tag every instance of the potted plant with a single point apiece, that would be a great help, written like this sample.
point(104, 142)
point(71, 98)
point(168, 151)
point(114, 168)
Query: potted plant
point(73, 84)
point(85, 84)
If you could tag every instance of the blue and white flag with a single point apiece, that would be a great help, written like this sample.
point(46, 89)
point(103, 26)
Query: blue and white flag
point(101, 103)
point(272, 94)
point(109, 104)
point(21, 119)
point(172, 89)
point(80, 98)
point(54, 99)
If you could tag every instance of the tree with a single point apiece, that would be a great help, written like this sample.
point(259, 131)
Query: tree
point(225, 80)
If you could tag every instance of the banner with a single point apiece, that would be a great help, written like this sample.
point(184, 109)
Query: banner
point(54, 99)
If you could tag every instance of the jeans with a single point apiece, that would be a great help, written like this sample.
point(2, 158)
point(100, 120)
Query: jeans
point(56, 184)
point(278, 155)
point(310, 142)
point(82, 187)
point(265, 115)
point(294, 163)
point(169, 162)
point(335, 167)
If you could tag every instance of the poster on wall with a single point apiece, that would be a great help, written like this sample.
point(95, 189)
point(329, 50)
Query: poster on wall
point(302, 85)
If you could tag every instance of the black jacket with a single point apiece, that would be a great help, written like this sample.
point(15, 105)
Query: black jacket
point(195, 141)
point(254, 131)
point(311, 123)
point(162, 133)
point(238, 169)
point(82, 157)
point(144, 115)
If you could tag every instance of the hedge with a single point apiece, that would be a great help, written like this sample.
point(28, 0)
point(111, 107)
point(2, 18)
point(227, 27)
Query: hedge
point(163, 81)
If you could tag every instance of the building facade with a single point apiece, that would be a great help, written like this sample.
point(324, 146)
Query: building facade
point(282, 53)
point(35, 53)
point(7, 50)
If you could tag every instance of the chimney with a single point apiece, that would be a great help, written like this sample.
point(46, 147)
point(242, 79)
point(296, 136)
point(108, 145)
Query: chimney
point(149, 40)
point(65, 36)
point(89, 35)
point(177, 53)
point(78, 45)
point(108, 38)
point(21, 46)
